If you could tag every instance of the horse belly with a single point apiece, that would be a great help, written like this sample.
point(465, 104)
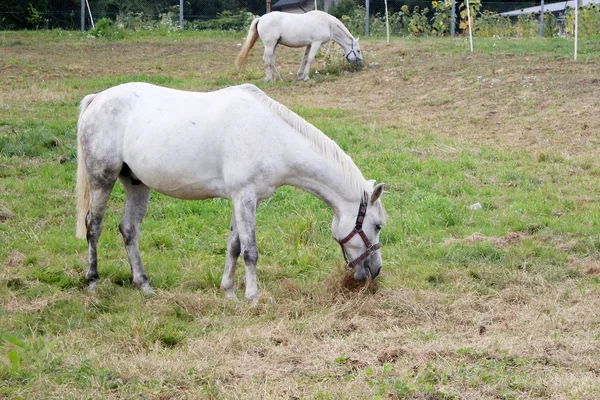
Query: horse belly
point(176, 166)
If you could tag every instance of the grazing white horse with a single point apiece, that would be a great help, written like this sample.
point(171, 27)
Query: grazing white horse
point(235, 143)
point(309, 30)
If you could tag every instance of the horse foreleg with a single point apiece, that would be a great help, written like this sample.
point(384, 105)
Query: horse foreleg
point(311, 56)
point(304, 59)
point(244, 209)
point(233, 252)
point(99, 195)
point(136, 205)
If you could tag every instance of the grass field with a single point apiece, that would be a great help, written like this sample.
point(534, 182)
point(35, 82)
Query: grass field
point(500, 302)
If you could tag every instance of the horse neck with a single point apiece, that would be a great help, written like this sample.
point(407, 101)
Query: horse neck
point(341, 35)
point(314, 174)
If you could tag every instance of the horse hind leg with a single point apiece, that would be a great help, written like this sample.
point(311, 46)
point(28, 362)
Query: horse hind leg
point(311, 56)
point(137, 196)
point(244, 208)
point(99, 194)
point(274, 68)
point(269, 61)
point(233, 253)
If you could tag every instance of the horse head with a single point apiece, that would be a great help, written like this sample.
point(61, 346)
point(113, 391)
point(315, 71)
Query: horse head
point(357, 231)
point(354, 55)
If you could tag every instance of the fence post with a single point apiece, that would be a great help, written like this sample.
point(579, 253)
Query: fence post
point(577, 3)
point(542, 19)
point(83, 15)
point(180, 14)
point(366, 17)
point(453, 19)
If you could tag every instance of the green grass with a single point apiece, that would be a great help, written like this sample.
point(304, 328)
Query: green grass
point(511, 313)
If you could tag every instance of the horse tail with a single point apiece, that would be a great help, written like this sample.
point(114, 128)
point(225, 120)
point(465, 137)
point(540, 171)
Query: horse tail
point(83, 185)
point(241, 59)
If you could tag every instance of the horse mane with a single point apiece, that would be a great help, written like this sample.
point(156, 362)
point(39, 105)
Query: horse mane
point(320, 142)
point(339, 24)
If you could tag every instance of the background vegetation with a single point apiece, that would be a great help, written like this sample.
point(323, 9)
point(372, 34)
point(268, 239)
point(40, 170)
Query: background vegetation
point(415, 18)
point(500, 301)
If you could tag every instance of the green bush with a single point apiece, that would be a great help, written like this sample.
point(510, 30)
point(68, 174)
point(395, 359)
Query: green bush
point(106, 29)
point(34, 18)
point(491, 24)
point(344, 7)
point(228, 21)
point(589, 21)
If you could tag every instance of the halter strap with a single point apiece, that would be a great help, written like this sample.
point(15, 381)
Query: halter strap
point(362, 211)
point(351, 51)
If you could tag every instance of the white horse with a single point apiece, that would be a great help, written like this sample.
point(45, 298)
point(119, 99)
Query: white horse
point(309, 30)
point(235, 143)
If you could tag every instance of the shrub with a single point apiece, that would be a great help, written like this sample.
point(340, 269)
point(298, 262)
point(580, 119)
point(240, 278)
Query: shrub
point(589, 21)
point(228, 21)
point(442, 16)
point(34, 18)
point(491, 24)
point(418, 24)
point(344, 7)
point(104, 28)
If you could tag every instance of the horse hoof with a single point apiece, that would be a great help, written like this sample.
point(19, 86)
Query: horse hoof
point(230, 295)
point(93, 287)
point(253, 301)
point(147, 290)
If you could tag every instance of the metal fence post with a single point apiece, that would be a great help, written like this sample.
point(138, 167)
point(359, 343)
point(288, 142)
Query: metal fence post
point(83, 15)
point(542, 19)
point(453, 14)
point(180, 14)
point(366, 17)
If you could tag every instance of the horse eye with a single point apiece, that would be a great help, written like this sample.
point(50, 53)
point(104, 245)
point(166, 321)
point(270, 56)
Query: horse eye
point(378, 227)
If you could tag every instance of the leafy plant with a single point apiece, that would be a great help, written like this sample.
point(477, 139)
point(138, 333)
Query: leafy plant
point(418, 24)
point(229, 21)
point(344, 7)
point(106, 29)
point(34, 18)
point(474, 7)
point(589, 21)
point(442, 16)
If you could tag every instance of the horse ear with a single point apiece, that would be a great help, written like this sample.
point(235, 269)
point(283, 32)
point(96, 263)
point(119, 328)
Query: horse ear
point(377, 192)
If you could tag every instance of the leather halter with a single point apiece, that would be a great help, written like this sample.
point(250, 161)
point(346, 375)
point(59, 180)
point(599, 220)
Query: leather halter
point(362, 211)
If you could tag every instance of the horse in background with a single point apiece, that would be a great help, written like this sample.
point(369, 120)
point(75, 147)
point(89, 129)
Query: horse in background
point(310, 30)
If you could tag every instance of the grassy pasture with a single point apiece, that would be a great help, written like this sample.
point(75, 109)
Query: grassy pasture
point(501, 302)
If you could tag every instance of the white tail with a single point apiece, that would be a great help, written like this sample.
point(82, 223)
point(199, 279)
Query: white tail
point(83, 188)
point(241, 59)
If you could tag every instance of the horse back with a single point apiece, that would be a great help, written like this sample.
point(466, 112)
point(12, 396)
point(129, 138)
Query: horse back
point(184, 144)
point(295, 30)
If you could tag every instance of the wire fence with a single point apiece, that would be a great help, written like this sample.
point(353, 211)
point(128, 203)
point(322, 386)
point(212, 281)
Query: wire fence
point(406, 17)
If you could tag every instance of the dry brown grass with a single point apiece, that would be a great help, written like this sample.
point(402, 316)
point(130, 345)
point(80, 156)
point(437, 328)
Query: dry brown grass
point(539, 339)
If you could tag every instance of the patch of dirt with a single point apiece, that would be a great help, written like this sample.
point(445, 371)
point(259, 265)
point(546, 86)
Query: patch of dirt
point(511, 238)
point(588, 265)
point(5, 214)
point(391, 355)
point(515, 295)
point(14, 259)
